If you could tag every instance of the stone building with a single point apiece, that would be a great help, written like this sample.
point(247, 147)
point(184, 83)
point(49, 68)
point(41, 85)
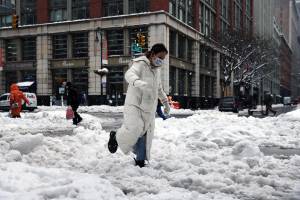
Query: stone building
point(57, 41)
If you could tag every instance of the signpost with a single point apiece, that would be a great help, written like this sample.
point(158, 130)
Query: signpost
point(61, 91)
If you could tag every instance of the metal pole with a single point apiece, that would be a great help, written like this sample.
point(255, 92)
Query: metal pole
point(101, 62)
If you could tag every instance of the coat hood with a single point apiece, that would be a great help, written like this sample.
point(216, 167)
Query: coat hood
point(14, 87)
point(142, 58)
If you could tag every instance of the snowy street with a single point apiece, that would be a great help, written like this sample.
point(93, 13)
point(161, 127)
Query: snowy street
point(208, 155)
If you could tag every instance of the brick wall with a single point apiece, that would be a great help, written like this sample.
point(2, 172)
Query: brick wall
point(156, 5)
point(42, 11)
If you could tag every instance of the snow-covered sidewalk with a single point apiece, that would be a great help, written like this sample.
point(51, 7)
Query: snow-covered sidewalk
point(210, 155)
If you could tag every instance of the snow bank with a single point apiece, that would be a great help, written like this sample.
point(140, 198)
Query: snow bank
point(209, 155)
point(27, 183)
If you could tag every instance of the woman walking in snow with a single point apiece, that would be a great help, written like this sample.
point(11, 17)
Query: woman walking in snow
point(136, 132)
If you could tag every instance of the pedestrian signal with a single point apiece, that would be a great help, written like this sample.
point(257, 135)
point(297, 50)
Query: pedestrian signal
point(15, 21)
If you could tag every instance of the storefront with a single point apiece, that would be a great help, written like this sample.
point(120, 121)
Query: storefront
point(19, 72)
point(116, 85)
point(73, 70)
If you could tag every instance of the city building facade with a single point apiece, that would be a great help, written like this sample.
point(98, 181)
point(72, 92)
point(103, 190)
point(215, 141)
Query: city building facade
point(266, 27)
point(287, 17)
point(66, 40)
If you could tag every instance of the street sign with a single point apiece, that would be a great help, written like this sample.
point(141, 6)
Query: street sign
point(61, 90)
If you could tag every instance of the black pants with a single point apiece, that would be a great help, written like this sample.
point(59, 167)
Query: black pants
point(77, 117)
point(269, 108)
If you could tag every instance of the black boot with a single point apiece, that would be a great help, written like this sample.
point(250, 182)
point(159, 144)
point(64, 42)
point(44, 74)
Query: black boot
point(112, 142)
point(75, 121)
point(79, 120)
point(140, 163)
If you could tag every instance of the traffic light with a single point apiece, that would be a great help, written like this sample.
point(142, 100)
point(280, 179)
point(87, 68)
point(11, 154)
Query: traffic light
point(141, 39)
point(15, 21)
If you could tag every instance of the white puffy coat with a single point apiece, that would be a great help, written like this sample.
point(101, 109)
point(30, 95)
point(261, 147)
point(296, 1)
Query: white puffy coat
point(140, 105)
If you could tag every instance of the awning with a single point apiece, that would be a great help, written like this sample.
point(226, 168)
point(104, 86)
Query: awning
point(25, 84)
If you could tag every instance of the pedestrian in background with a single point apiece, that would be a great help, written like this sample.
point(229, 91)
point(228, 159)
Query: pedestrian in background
point(15, 101)
point(268, 102)
point(137, 130)
point(73, 101)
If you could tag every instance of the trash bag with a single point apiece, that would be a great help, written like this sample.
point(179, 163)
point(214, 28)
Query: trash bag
point(69, 113)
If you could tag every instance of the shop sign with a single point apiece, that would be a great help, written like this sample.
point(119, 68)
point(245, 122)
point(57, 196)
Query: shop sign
point(19, 65)
point(68, 63)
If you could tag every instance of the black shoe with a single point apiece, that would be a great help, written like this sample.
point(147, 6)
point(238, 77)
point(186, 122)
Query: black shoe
point(140, 163)
point(79, 120)
point(112, 142)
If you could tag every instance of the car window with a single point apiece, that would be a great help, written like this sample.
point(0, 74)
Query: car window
point(230, 99)
point(4, 97)
point(30, 95)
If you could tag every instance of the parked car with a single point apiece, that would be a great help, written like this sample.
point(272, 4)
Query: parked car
point(4, 102)
point(287, 101)
point(295, 101)
point(229, 104)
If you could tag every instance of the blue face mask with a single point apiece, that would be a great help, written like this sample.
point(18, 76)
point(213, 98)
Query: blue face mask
point(158, 62)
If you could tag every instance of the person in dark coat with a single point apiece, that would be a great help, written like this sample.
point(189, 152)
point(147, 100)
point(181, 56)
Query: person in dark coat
point(268, 102)
point(73, 101)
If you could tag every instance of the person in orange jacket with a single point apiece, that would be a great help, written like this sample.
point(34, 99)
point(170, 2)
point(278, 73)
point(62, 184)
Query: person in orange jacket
point(16, 97)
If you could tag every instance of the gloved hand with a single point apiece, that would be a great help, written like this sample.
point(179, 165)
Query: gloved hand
point(166, 107)
point(139, 84)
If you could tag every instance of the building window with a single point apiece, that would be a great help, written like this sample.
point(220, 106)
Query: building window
point(80, 79)
point(172, 7)
point(115, 39)
point(5, 21)
point(60, 46)
point(190, 52)
point(207, 19)
point(113, 7)
point(28, 12)
point(202, 56)
point(182, 10)
point(172, 80)
point(181, 46)
point(181, 84)
point(29, 48)
point(138, 6)
point(224, 11)
point(248, 7)
point(11, 50)
point(207, 86)
point(58, 10)
point(80, 47)
point(238, 14)
point(190, 17)
point(80, 9)
point(173, 43)
point(133, 36)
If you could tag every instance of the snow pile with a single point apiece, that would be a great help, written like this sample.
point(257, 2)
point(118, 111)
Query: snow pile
point(27, 183)
point(210, 155)
point(107, 109)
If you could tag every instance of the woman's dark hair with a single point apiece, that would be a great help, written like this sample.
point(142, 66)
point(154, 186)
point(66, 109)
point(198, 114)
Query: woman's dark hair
point(157, 48)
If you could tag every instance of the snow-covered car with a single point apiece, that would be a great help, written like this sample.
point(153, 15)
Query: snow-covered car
point(287, 101)
point(4, 102)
